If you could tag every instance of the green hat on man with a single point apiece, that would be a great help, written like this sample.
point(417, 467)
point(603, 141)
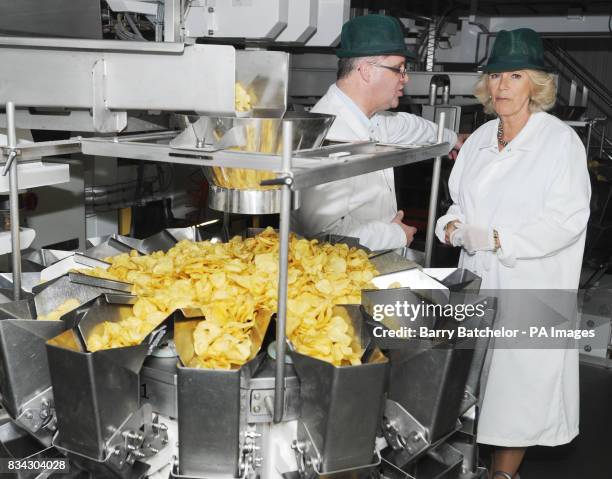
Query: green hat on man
point(519, 49)
point(372, 35)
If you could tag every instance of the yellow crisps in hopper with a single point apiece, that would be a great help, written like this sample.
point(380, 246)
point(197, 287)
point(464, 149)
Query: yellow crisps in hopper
point(262, 135)
point(62, 309)
point(231, 283)
point(243, 99)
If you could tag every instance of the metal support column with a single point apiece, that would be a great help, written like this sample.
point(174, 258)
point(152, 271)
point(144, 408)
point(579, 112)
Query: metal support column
point(172, 21)
point(283, 267)
point(433, 198)
point(11, 167)
point(590, 126)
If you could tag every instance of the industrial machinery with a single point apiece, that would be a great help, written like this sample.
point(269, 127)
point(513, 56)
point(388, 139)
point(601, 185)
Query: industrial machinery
point(131, 412)
point(301, 417)
point(407, 411)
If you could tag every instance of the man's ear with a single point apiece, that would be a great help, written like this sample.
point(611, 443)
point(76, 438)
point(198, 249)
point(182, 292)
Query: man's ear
point(365, 71)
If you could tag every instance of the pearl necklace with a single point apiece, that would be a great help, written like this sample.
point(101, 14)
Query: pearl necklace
point(500, 134)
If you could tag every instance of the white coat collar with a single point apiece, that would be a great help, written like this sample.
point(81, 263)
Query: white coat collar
point(347, 115)
point(525, 140)
point(351, 105)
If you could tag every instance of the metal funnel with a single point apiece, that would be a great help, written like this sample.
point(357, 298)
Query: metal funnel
point(161, 241)
point(462, 280)
point(95, 392)
point(106, 247)
point(341, 406)
point(22, 309)
point(24, 370)
point(28, 280)
point(211, 443)
point(205, 231)
point(232, 188)
point(50, 295)
point(375, 300)
point(187, 319)
point(45, 257)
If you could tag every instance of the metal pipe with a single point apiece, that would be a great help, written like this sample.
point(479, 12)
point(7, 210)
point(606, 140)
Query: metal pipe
point(433, 93)
point(446, 94)
point(226, 226)
point(156, 135)
point(14, 203)
point(588, 142)
point(133, 26)
point(283, 267)
point(433, 197)
point(159, 23)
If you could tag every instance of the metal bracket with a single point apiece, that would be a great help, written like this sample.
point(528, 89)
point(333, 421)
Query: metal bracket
point(281, 180)
point(250, 458)
point(140, 437)
point(307, 456)
point(403, 432)
point(309, 460)
point(38, 413)
point(9, 161)
point(104, 120)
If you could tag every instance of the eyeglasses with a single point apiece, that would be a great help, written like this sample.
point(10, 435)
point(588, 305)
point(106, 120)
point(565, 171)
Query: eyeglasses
point(400, 71)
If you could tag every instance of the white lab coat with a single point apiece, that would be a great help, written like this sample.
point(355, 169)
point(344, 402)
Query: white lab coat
point(536, 193)
point(363, 206)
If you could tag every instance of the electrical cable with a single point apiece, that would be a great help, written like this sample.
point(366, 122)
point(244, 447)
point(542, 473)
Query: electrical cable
point(134, 28)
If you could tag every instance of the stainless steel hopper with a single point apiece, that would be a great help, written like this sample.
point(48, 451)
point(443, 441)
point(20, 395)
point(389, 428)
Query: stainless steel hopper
point(235, 190)
point(341, 408)
point(28, 280)
point(25, 382)
point(83, 288)
point(97, 395)
point(213, 405)
point(164, 240)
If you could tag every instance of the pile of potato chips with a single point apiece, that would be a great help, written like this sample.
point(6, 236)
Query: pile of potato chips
point(232, 283)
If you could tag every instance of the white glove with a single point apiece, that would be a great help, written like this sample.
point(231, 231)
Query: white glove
point(456, 237)
point(478, 238)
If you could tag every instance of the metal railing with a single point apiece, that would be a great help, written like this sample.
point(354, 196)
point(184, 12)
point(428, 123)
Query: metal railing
point(565, 59)
point(571, 70)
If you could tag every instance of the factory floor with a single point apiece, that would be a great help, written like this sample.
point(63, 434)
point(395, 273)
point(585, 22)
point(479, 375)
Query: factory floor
point(589, 455)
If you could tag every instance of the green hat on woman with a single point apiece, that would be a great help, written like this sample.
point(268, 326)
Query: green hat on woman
point(519, 49)
point(372, 35)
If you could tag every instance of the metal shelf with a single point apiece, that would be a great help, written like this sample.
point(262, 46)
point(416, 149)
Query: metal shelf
point(308, 167)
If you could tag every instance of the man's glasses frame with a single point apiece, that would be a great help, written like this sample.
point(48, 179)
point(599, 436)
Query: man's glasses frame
point(403, 72)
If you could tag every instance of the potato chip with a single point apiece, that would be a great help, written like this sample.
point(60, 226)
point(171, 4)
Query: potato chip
point(231, 283)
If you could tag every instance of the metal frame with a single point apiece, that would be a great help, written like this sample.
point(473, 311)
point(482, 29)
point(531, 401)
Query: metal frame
point(307, 168)
point(111, 77)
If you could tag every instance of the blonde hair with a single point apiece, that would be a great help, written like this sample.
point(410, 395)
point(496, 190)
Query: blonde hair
point(543, 91)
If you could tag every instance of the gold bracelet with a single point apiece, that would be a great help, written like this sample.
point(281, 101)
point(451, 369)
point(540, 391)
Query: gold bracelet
point(496, 243)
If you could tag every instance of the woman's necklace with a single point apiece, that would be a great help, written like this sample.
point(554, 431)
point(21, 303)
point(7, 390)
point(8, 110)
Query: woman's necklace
point(500, 134)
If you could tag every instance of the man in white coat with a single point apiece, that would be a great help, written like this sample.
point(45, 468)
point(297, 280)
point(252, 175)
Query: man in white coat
point(371, 78)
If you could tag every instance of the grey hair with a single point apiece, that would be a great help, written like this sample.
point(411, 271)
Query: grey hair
point(348, 65)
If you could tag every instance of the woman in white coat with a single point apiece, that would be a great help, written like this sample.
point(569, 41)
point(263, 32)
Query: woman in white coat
point(521, 193)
